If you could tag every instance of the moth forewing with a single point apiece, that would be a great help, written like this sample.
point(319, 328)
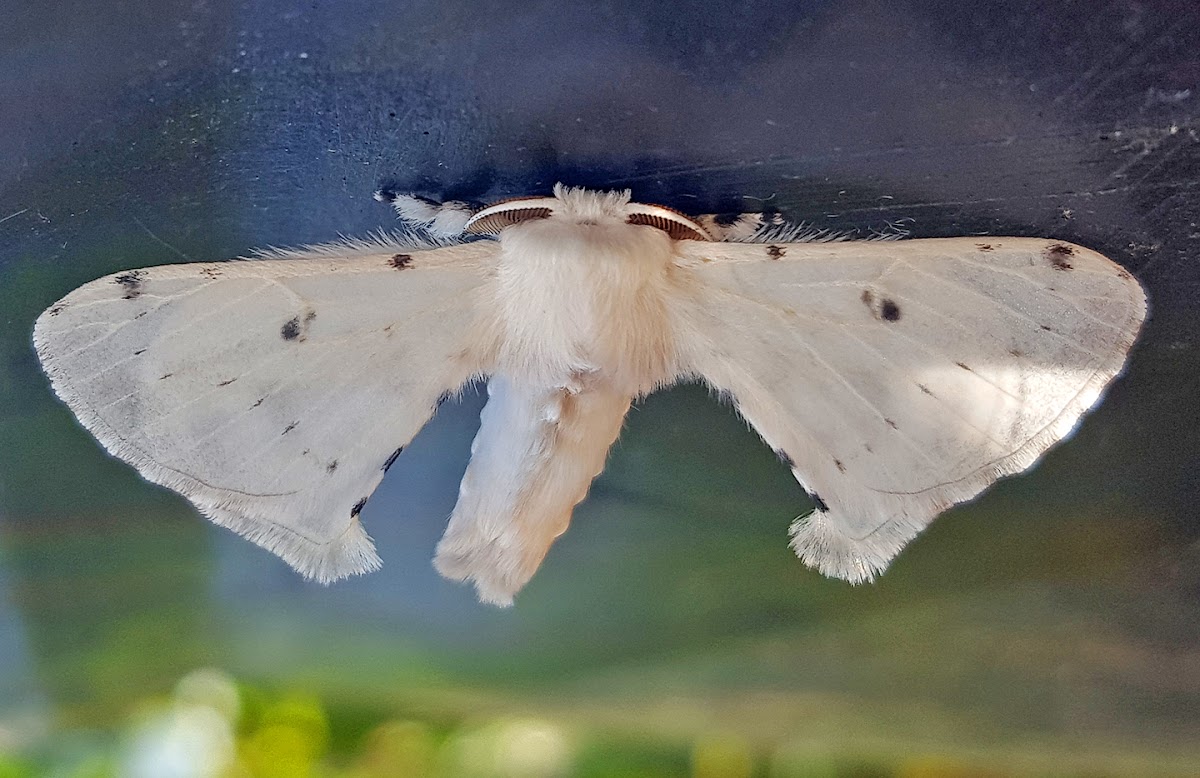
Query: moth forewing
point(900, 378)
point(271, 393)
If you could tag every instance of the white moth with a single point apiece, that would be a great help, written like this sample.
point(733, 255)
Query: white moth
point(894, 378)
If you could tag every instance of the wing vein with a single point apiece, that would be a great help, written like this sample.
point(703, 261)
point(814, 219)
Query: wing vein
point(999, 304)
point(987, 435)
point(916, 449)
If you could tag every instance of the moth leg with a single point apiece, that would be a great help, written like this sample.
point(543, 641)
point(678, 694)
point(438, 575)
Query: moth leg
point(443, 220)
point(738, 226)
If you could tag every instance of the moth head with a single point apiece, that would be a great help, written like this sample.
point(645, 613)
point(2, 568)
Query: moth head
point(583, 206)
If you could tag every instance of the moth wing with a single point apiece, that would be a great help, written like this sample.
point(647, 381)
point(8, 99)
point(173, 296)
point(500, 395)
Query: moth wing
point(899, 378)
point(272, 393)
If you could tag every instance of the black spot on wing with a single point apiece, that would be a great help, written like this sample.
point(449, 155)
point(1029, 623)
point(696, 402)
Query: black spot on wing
point(211, 272)
point(785, 458)
point(925, 389)
point(296, 328)
point(984, 246)
point(290, 329)
point(822, 506)
point(289, 428)
point(1059, 254)
point(56, 310)
point(392, 459)
point(331, 467)
point(775, 252)
point(891, 424)
point(841, 467)
point(227, 383)
point(133, 283)
point(357, 509)
point(964, 367)
point(400, 261)
point(885, 309)
point(165, 375)
point(258, 402)
point(139, 352)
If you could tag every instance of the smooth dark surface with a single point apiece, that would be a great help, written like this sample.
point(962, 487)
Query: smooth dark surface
point(1054, 621)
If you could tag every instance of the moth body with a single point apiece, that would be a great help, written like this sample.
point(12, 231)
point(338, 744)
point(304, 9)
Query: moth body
point(583, 293)
point(535, 455)
point(582, 328)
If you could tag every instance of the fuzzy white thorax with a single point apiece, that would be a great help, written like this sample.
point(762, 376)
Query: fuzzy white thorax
point(583, 293)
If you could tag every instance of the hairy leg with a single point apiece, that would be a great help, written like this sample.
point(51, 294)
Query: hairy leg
point(443, 220)
point(738, 226)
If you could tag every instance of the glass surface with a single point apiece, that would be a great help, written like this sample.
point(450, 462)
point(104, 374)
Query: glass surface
point(1051, 627)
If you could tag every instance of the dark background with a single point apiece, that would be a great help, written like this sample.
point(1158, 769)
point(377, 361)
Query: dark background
point(1052, 627)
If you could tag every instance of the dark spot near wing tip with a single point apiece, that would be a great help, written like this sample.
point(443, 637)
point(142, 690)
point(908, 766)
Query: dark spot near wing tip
point(889, 311)
point(775, 252)
point(258, 402)
point(290, 329)
point(925, 389)
point(140, 315)
point(784, 458)
point(1046, 327)
point(841, 468)
point(132, 282)
point(891, 424)
point(165, 375)
point(727, 219)
point(822, 506)
point(227, 383)
point(392, 459)
point(400, 261)
point(139, 352)
point(963, 366)
point(984, 246)
point(331, 467)
point(357, 509)
point(1058, 254)
point(56, 310)
point(289, 428)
